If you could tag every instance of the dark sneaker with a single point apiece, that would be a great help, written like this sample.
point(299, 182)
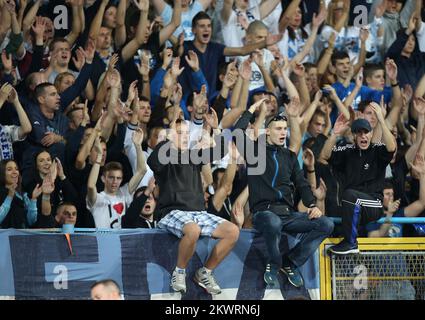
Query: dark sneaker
point(207, 281)
point(270, 277)
point(344, 248)
point(294, 276)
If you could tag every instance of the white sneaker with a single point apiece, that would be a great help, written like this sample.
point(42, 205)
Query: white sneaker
point(207, 281)
point(178, 281)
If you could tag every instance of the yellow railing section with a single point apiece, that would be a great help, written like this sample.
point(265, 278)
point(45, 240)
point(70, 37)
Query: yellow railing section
point(365, 245)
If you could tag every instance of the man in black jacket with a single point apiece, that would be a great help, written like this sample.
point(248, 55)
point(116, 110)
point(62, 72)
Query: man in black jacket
point(177, 170)
point(362, 166)
point(271, 197)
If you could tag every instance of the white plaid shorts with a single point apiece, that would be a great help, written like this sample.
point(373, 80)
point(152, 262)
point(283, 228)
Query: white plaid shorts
point(175, 221)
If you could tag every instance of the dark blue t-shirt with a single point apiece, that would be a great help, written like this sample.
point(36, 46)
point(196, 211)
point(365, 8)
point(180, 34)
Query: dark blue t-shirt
point(209, 62)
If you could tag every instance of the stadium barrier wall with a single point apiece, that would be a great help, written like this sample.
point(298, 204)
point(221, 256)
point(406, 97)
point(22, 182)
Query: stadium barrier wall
point(50, 265)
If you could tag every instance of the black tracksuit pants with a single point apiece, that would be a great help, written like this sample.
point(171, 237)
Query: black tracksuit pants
point(358, 208)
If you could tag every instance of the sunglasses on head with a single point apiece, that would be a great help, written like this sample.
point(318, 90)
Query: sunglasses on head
point(276, 118)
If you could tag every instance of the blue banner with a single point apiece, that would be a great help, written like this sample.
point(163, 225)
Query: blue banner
point(42, 265)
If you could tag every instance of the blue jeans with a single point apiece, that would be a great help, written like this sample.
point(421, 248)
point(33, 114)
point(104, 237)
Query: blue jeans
point(271, 226)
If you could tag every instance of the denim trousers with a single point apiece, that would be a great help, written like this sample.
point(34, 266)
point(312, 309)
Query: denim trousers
point(313, 231)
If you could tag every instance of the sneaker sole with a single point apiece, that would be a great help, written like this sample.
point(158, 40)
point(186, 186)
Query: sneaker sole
point(289, 279)
point(204, 287)
point(272, 283)
point(345, 252)
point(182, 291)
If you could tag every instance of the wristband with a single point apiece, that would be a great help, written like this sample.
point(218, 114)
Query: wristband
point(45, 197)
point(311, 171)
point(395, 85)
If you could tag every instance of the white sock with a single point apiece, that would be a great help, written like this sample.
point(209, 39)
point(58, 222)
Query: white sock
point(207, 270)
point(179, 270)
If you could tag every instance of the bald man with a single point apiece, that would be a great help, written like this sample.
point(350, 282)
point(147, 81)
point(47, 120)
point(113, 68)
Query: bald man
point(105, 290)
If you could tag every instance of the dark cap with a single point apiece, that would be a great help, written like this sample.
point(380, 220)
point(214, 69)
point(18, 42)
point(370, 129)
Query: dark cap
point(360, 124)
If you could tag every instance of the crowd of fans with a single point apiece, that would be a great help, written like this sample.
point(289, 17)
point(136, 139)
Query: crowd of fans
point(84, 112)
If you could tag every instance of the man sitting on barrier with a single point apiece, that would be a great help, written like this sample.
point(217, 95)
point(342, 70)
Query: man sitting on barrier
point(362, 165)
point(271, 197)
point(181, 205)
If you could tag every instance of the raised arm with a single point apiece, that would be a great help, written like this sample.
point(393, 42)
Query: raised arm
point(334, 97)
point(249, 48)
point(267, 6)
point(97, 21)
point(353, 94)
point(364, 34)
point(227, 10)
point(323, 63)
point(310, 110)
point(316, 22)
point(289, 12)
point(205, 4)
point(387, 136)
point(22, 7)
point(258, 58)
point(396, 101)
point(84, 152)
point(141, 162)
point(30, 16)
point(25, 127)
point(239, 97)
point(293, 112)
point(77, 23)
point(131, 48)
point(225, 187)
point(169, 29)
point(340, 127)
point(304, 94)
point(16, 27)
point(94, 174)
point(419, 105)
point(417, 207)
point(120, 32)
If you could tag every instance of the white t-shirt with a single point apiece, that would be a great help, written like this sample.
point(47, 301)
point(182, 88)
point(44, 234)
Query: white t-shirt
point(290, 48)
point(348, 39)
point(195, 130)
point(233, 33)
point(186, 20)
point(108, 209)
point(257, 79)
point(272, 20)
point(8, 135)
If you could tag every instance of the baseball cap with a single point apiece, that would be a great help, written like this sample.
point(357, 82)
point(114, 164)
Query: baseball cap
point(360, 124)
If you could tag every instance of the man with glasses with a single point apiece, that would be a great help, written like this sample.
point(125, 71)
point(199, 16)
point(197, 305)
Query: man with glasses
point(271, 198)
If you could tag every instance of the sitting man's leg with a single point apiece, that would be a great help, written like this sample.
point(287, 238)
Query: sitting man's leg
point(181, 224)
point(270, 227)
point(314, 232)
point(228, 233)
